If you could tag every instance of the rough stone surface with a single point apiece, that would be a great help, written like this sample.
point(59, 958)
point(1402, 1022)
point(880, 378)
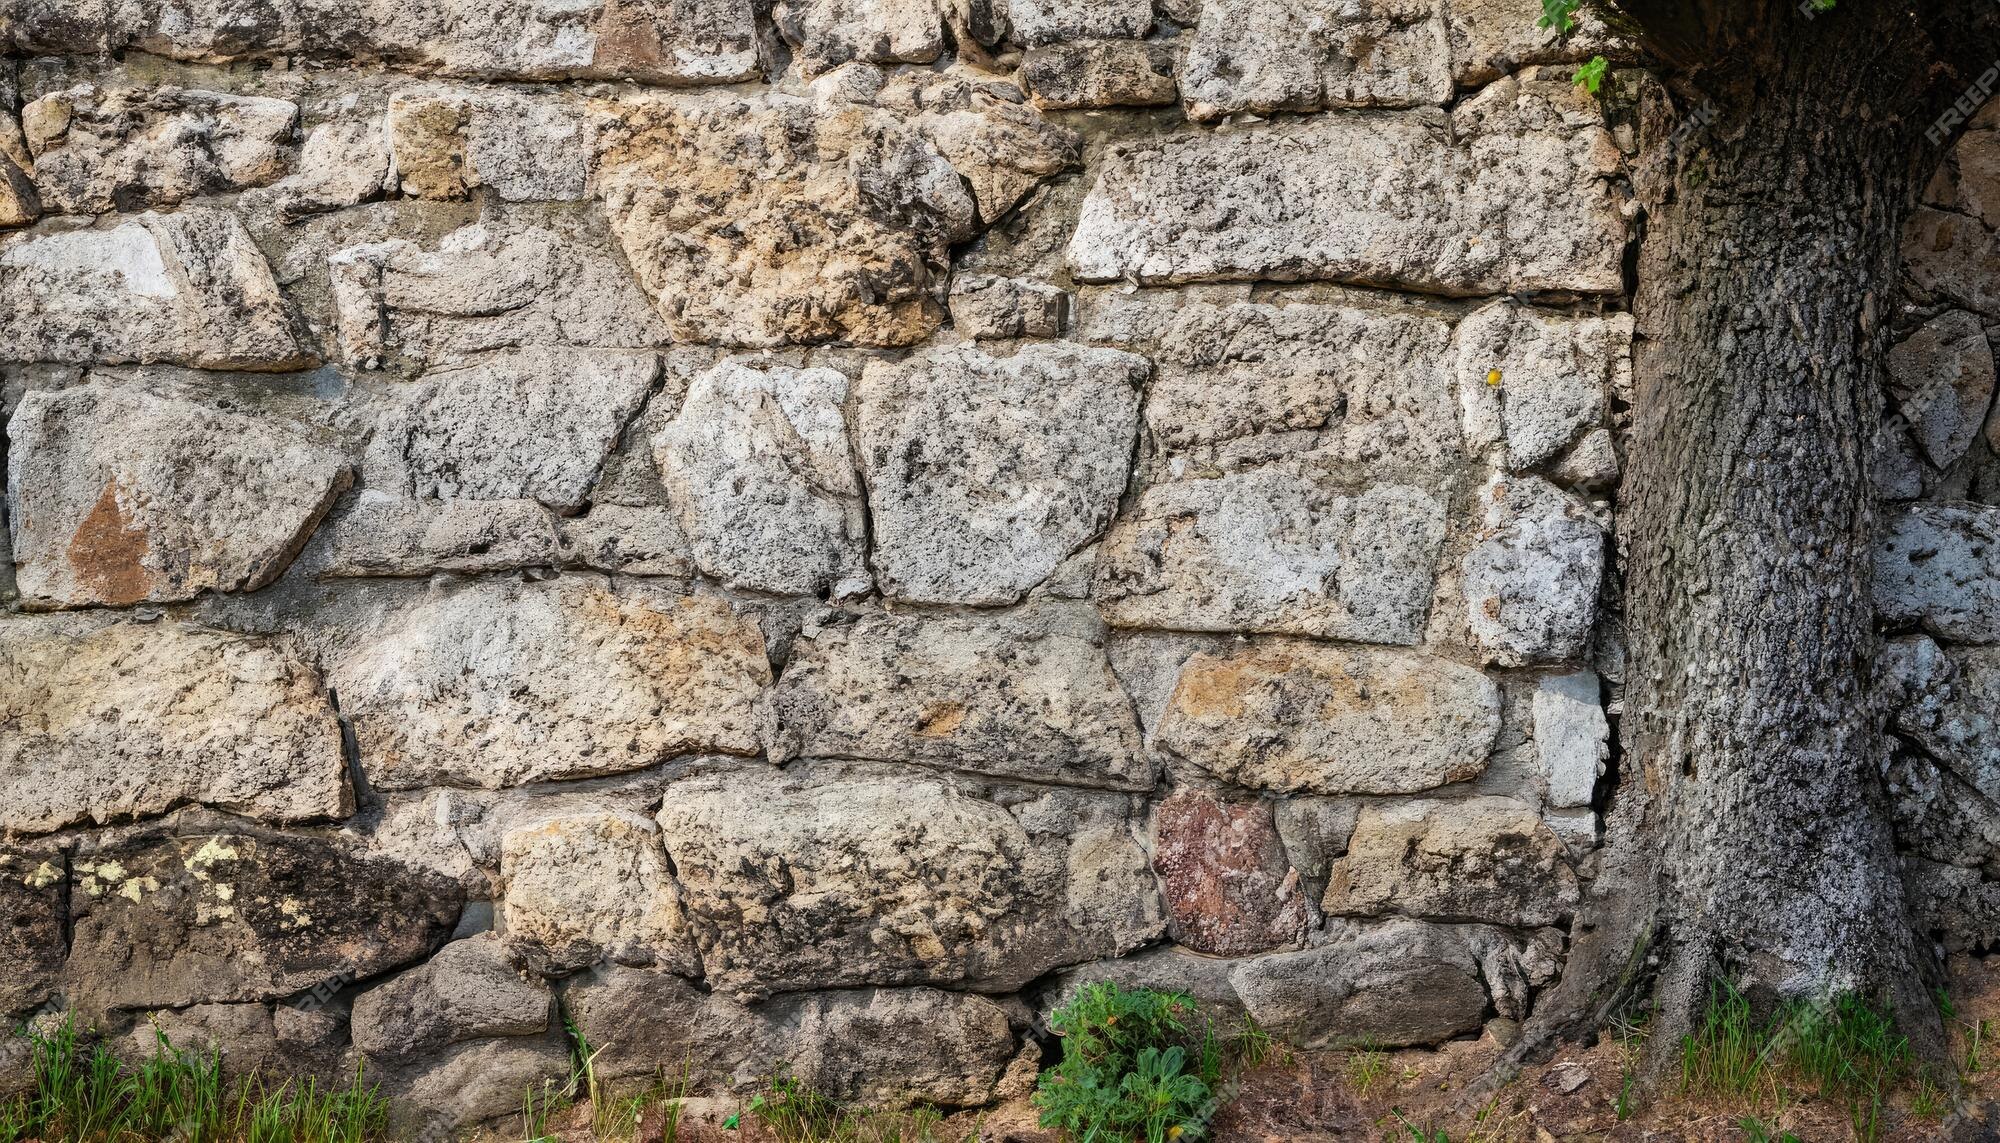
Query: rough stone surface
point(1942, 376)
point(1493, 38)
point(1531, 583)
point(491, 684)
point(758, 465)
point(188, 288)
point(343, 162)
point(168, 921)
point(115, 720)
point(1480, 859)
point(877, 1046)
point(672, 42)
point(836, 876)
point(1100, 73)
point(486, 286)
point(1572, 736)
point(997, 143)
point(592, 886)
point(985, 473)
point(1038, 22)
point(119, 495)
point(469, 990)
point(984, 306)
point(527, 425)
point(828, 33)
point(1950, 713)
point(1303, 200)
point(1382, 985)
point(1304, 717)
point(1939, 565)
point(961, 694)
point(750, 220)
point(1229, 889)
point(526, 148)
point(1285, 548)
point(1534, 381)
point(100, 149)
point(1251, 381)
point(31, 929)
point(1305, 55)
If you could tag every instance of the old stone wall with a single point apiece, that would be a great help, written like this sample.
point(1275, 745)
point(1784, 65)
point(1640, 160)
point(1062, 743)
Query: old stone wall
point(1937, 567)
point(798, 532)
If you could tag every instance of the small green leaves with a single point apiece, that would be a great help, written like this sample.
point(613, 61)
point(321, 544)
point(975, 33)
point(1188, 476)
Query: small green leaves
point(1589, 76)
point(1556, 14)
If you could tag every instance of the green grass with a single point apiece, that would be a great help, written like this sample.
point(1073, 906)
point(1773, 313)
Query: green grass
point(1842, 1049)
point(84, 1093)
point(794, 1113)
point(1366, 1064)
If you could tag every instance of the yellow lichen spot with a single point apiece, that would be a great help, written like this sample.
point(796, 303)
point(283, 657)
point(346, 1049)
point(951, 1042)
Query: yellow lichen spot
point(1493, 377)
point(138, 887)
point(44, 876)
point(225, 892)
point(213, 850)
point(295, 909)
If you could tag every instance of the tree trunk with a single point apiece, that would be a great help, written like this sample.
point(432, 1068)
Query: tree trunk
point(1751, 840)
point(1765, 281)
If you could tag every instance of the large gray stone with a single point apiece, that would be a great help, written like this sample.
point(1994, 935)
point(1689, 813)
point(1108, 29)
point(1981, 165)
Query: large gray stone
point(1520, 201)
point(985, 473)
point(1037, 22)
point(983, 127)
point(1942, 376)
point(1939, 565)
point(1532, 381)
point(120, 495)
point(532, 424)
point(1389, 985)
point(879, 1047)
point(490, 684)
point(486, 286)
point(1248, 381)
point(589, 885)
point(117, 720)
point(1477, 859)
point(188, 288)
point(759, 469)
point(1286, 548)
point(1306, 55)
point(1531, 582)
point(836, 875)
point(342, 163)
point(1572, 736)
point(961, 694)
point(653, 41)
point(470, 990)
point(1100, 73)
point(100, 149)
point(827, 33)
point(1953, 712)
point(246, 915)
point(1304, 717)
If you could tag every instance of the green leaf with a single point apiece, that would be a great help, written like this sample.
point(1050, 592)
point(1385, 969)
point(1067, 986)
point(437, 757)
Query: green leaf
point(1590, 75)
point(733, 1122)
point(1556, 14)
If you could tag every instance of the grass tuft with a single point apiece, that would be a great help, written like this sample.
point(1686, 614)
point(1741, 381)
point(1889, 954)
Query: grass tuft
point(84, 1093)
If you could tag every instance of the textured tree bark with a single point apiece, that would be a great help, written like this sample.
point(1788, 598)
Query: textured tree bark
point(1751, 839)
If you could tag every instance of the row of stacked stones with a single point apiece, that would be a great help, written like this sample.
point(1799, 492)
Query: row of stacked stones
point(1937, 564)
point(797, 535)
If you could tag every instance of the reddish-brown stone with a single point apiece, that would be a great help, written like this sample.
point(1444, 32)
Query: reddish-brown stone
point(1229, 889)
